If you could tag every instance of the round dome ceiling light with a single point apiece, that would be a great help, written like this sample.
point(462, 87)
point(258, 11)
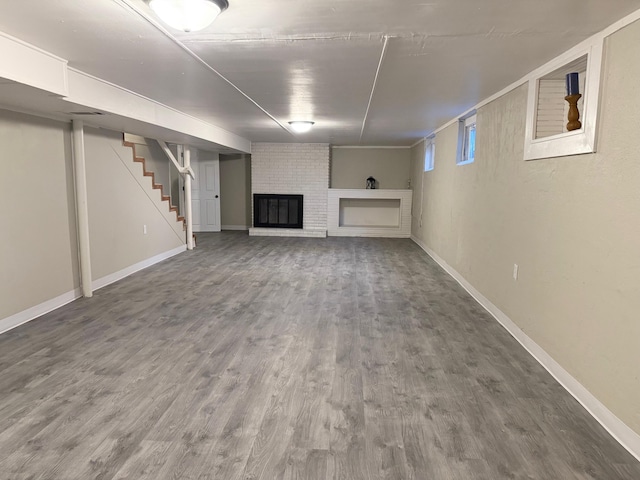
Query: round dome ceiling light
point(301, 126)
point(188, 15)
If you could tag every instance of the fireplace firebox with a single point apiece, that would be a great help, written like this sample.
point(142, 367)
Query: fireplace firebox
point(277, 211)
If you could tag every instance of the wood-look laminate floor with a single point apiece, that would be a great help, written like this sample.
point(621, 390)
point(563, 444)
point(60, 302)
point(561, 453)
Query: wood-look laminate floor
point(272, 358)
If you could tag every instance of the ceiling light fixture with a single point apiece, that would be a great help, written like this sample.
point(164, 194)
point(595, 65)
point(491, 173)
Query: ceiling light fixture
point(188, 15)
point(301, 126)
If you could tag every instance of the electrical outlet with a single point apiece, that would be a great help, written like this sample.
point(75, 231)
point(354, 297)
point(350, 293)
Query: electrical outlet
point(144, 229)
point(515, 271)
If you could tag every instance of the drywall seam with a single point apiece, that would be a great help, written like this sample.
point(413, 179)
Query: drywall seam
point(36, 311)
point(628, 438)
point(136, 267)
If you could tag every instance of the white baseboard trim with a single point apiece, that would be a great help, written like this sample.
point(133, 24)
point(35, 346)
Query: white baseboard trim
point(32, 313)
point(628, 438)
point(136, 267)
point(235, 227)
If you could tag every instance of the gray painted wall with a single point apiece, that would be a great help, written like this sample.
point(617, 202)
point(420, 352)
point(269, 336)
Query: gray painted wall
point(350, 167)
point(235, 190)
point(119, 207)
point(38, 246)
point(572, 225)
point(38, 249)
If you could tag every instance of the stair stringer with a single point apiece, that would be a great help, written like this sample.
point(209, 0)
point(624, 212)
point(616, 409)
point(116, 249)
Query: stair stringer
point(147, 180)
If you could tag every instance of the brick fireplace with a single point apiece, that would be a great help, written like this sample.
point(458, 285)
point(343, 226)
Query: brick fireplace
point(293, 169)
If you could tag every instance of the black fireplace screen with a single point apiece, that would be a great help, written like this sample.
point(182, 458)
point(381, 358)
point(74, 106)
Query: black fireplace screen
point(277, 211)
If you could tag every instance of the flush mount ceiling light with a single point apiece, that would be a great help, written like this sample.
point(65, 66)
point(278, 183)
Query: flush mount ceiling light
point(188, 15)
point(301, 126)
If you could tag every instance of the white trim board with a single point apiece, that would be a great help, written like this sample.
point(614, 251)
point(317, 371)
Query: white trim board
point(288, 232)
point(235, 227)
point(136, 267)
point(418, 142)
point(32, 313)
point(383, 147)
point(629, 439)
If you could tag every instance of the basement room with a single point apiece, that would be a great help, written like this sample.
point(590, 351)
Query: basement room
point(301, 240)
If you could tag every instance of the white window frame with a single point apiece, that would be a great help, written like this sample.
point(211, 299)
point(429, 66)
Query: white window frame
point(429, 153)
point(466, 125)
point(579, 141)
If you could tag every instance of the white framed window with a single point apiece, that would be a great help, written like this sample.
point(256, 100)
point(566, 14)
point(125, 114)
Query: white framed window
point(546, 133)
point(429, 153)
point(467, 140)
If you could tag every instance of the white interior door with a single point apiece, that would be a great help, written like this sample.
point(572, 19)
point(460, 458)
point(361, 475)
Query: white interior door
point(205, 193)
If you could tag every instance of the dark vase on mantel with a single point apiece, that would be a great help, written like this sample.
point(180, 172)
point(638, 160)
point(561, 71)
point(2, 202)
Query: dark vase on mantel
point(371, 183)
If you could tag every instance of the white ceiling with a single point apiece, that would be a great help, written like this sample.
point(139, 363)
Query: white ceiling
point(265, 62)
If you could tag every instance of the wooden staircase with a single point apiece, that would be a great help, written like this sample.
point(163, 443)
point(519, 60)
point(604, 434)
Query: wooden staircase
point(156, 186)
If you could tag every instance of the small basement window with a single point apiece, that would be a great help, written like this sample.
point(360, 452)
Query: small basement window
point(429, 153)
point(552, 108)
point(467, 140)
point(547, 135)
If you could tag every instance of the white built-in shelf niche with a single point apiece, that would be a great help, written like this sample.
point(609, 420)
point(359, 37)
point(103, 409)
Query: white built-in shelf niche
point(369, 213)
point(547, 109)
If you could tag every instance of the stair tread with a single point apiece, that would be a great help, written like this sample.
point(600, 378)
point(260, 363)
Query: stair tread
point(154, 185)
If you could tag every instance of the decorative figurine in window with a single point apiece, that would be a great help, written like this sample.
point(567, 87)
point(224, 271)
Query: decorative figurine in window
point(371, 183)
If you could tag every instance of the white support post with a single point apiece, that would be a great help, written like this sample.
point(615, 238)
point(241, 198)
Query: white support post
point(82, 211)
point(187, 198)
